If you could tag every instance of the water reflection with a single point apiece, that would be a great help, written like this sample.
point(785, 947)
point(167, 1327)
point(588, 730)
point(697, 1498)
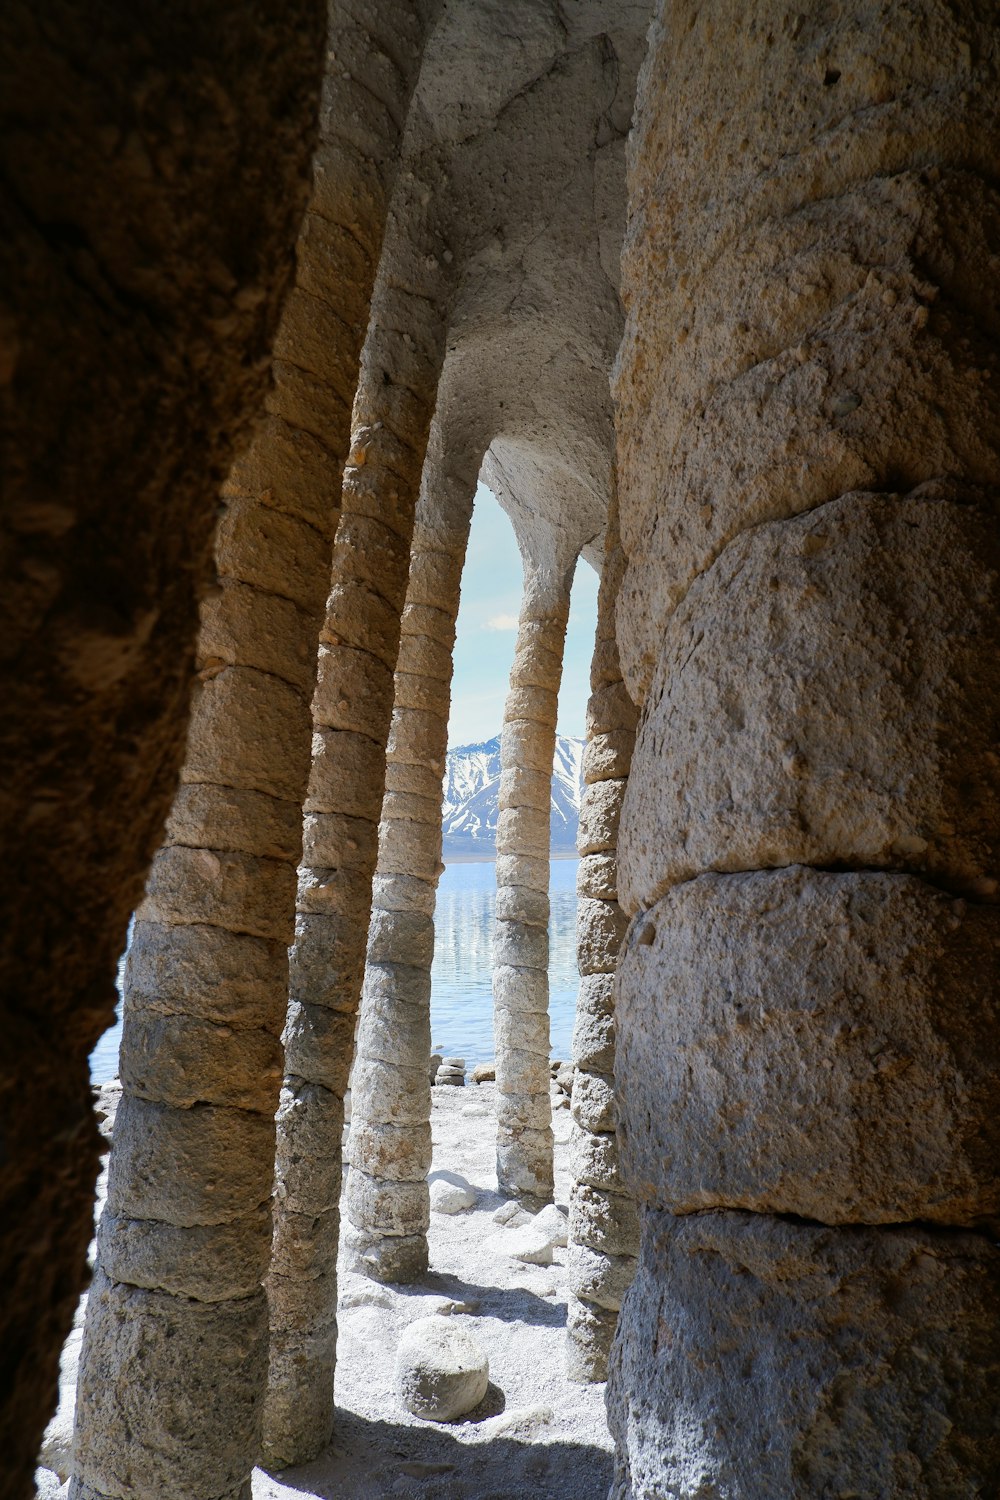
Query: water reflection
point(462, 990)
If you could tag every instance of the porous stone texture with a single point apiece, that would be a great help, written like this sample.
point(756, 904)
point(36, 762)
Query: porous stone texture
point(526, 1243)
point(599, 1274)
point(826, 330)
point(352, 710)
point(441, 1371)
point(195, 1145)
point(138, 309)
point(395, 1006)
point(521, 942)
point(771, 762)
point(808, 423)
point(194, 1348)
point(873, 1354)
point(825, 1045)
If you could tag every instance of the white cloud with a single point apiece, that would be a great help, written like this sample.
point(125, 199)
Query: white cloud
point(501, 622)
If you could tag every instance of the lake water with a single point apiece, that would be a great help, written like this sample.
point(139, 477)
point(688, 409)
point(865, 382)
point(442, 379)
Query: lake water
point(461, 979)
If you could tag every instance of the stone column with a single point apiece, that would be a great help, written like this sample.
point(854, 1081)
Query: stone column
point(352, 710)
point(808, 1048)
point(521, 936)
point(390, 1150)
point(603, 1223)
point(174, 1363)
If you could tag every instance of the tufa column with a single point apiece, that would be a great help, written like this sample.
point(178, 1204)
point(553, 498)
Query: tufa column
point(152, 188)
point(352, 710)
point(521, 937)
point(603, 1224)
point(174, 1362)
point(390, 1141)
point(808, 1048)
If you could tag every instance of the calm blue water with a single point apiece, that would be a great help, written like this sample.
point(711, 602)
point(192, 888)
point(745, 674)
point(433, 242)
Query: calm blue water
point(462, 987)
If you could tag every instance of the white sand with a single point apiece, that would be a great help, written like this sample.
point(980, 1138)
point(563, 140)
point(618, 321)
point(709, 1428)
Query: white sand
point(535, 1435)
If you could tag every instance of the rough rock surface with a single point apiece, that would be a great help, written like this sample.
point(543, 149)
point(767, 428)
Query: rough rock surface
point(793, 1041)
point(770, 761)
point(808, 424)
point(441, 1370)
point(822, 327)
point(763, 1331)
point(527, 1243)
point(599, 1270)
point(352, 715)
point(520, 943)
point(145, 256)
point(394, 1026)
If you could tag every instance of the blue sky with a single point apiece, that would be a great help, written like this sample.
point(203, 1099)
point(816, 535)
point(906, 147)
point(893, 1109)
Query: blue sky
point(487, 629)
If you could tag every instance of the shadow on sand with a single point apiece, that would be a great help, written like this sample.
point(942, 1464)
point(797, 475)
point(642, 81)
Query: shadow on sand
point(384, 1461)
point(510, 1304)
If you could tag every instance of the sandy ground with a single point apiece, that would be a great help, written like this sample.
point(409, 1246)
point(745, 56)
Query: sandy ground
point(535, 1434)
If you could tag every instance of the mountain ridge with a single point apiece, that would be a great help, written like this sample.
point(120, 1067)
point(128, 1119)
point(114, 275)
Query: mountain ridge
point(471, 800)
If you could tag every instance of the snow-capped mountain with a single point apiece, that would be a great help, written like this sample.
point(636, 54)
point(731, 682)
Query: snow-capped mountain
point(472, 798)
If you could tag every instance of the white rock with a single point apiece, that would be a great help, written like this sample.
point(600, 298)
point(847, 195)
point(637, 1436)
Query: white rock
point(441, 1370)
point(450, 1193)
point(365, 1296)
point(49, 1486)
point(56, 1452)
point(524, 1244)
point(552, 1222)
point(511, 1214)
point(518, 1422)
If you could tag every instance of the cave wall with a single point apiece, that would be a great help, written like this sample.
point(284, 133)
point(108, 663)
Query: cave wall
point(153, 181)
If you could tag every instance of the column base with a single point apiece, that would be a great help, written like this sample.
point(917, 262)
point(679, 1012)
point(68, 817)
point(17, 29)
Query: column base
point(759, 1357)
point(388, 1259)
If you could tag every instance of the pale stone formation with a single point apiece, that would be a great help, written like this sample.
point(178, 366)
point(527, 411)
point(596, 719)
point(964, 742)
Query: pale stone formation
point(816, 1044)
point(808, 429)
point(772, 761)
point(387, 1195)
point(442, 1371)
point(850, 1361)
point(352, 710)
point(185, 1237)
point(521, 935)
point(599, 1271)
point(450, 1193)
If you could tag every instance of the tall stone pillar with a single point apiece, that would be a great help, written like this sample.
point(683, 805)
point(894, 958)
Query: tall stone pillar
point(387, 1195)
point(521, 936)
point(174, 1364)
point(603, 1222)
point(808, 1048)
point(352, 710)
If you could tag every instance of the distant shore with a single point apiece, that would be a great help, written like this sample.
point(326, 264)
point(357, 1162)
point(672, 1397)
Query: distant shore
point(491, 859)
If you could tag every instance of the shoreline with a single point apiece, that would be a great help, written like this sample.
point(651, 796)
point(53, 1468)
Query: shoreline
point(491, 859)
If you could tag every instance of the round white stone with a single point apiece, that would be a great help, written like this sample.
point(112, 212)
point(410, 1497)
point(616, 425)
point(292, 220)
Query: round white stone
point(441, 1371)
